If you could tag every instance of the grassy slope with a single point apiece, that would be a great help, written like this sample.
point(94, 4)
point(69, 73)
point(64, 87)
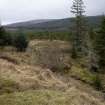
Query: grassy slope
point(74, 92)
point(49, 97)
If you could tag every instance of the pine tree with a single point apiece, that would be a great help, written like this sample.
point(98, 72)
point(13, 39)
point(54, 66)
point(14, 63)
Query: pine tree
point(21, 42)
point(99, 45)
point(2, 36)
point(79, 33)
point(5, 37)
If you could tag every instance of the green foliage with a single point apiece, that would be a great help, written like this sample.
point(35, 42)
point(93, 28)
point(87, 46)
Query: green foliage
point(80, 30)
point(87, 76)
point(8, 86)
point(48, 35)
point(99, 45)
point(5, 38)
point(74, 53)
point(8, 39)
point(97, 82)
point(82, 74)
point(20, 42)
point(2, 36)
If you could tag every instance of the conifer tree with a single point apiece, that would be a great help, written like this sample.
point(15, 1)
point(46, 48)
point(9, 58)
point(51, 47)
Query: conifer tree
point(2, 36)
point(79, 31)
point(20, 42)
point(99, 45)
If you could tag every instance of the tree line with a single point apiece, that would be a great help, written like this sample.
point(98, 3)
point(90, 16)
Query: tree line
point(19, 41)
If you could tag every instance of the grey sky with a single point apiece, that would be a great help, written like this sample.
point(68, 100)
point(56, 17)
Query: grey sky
point(23, 10)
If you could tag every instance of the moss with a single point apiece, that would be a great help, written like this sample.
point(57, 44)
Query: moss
point(97, 82)
point(82, 74)
point(86, 76)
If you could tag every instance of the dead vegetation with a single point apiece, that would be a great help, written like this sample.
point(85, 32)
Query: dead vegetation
point(9, 59)
point(26, 75)
point(37, 78)
point(29, 76)
point(54, 55)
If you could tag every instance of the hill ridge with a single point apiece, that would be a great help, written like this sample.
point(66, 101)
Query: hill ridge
point(53, 24)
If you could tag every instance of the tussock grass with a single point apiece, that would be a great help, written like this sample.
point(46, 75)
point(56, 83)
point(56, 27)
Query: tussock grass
point(82, 74)
point(48, 97)
point(30, 77)
point(40, 86)
point(8, 86)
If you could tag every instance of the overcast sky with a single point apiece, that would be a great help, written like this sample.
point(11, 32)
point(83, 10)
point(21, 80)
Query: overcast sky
point(22, 10)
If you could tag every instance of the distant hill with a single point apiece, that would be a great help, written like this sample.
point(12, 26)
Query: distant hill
point(29, 23)
point(53, 24)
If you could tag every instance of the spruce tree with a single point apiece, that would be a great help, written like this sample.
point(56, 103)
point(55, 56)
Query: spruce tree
point(79, 31)
point(20, 42)
point(99, 45)
point(2, 36)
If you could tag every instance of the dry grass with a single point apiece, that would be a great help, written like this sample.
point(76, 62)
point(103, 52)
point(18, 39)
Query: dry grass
point(41, 86)
point(50, 54)
point(47, 97)
point(29, 76)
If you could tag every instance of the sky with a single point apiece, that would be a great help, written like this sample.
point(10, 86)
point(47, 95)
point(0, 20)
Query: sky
point(12, 11)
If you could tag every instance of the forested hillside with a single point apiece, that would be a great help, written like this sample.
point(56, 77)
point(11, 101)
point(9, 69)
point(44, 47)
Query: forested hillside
point(54, 24)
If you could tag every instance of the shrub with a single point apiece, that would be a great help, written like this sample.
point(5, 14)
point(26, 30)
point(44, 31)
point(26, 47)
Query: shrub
point(5, 38)
point(97, 82)
point(8, 39)
point(20, 42)
point(99, 45)
point(2, 36)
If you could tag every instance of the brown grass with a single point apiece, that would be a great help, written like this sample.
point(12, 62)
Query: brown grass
point(32, 77)
point(29, 76)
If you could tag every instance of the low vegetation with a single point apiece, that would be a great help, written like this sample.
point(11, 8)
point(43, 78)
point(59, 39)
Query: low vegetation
point(93, 79)
point(20, 42)
point(24, 82)
point(8, 86)
point(97, 82)
point(49, 97)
